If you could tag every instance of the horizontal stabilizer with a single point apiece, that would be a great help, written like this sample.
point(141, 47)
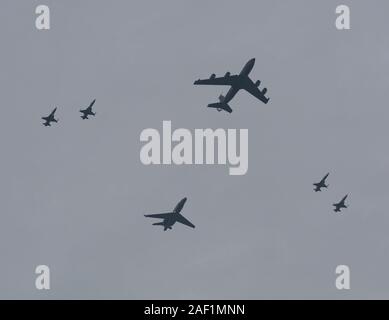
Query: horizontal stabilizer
point(220, 106)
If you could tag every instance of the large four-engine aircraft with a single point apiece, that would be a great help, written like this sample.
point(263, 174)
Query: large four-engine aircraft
point(170, 218)
point(237, 82)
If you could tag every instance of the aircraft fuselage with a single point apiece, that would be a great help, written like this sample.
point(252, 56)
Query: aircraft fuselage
point(247, 68)
point(240, 82)
point(168, 223)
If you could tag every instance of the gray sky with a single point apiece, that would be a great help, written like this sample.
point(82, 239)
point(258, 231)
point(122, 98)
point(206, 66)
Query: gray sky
point(73, 195)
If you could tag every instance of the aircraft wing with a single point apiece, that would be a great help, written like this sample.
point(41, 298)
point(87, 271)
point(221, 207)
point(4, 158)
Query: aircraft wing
point(253, 89)
point(183, 220)
point(220, 81)
point(158, 215)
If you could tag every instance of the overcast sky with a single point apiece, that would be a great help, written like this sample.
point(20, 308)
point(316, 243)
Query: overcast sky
point(72, 196)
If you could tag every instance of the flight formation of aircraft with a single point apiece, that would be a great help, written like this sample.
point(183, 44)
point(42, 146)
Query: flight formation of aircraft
point(322, 184)
point(170, 218)
point(86, 112)
point(236, 83)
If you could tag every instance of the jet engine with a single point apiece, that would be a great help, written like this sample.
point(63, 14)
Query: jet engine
point(264, 91)
point(257, 83)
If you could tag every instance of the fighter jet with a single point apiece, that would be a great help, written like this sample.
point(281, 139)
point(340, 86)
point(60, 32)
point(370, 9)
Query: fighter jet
point(88, 111)
point(237, 82)
point(50, 118)
point(321, 184)
point(338, 206)
point(170, 218)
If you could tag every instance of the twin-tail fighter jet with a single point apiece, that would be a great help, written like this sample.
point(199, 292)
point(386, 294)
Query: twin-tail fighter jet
point(338, 206)
point(50, 118)
point(236, 82)
point(321, 184)
point(88, 111)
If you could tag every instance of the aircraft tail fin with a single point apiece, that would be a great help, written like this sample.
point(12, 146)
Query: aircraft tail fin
point(220, 106)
